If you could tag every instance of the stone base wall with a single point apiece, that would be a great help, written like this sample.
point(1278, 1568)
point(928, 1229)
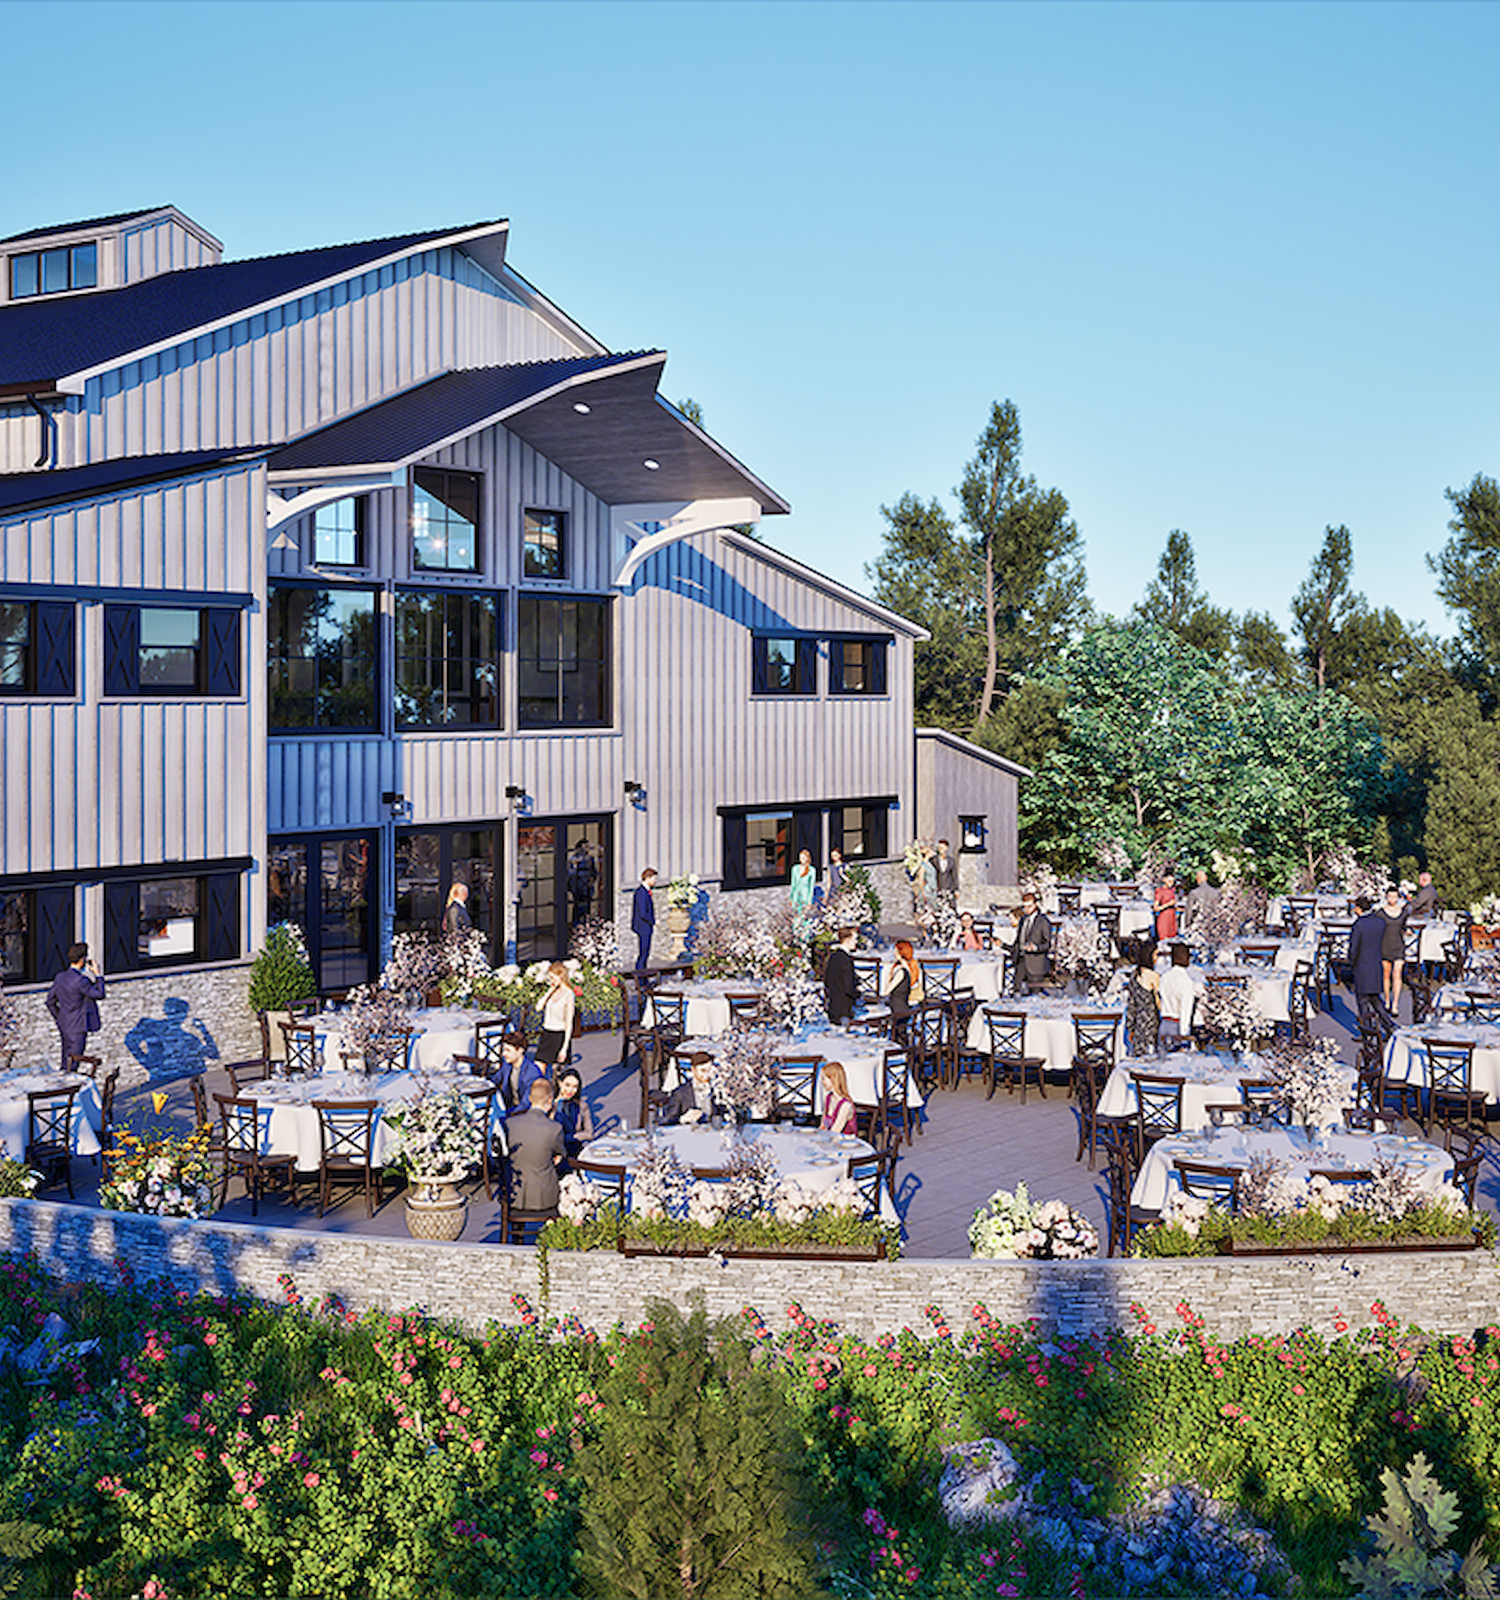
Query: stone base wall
point(156, 1025)
point(1443, 1292)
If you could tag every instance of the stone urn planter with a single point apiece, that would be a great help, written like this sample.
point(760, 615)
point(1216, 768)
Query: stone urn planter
point(436, 1208)
point(679, 920)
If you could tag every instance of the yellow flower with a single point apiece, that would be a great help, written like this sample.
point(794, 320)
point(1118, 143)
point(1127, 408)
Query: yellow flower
point(158, 1100)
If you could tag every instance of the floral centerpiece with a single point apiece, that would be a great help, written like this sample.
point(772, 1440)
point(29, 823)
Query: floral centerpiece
point(1238, 906)
point(1228, 1012)
point(1010, 1226)
point(1113, 859)
point(938, 920)
point(1341, 869)
point(748, 941)
point(794, 996)
point(439, 1140)
point(377, 1030)
point(683, 892)
point(1039, 879)
point(159, 1174)
point(1315, 1080)
point(744, 1074)
point(418, 963)
point(1078, 944)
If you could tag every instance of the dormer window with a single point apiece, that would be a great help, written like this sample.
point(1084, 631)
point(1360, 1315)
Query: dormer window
point(54, 271)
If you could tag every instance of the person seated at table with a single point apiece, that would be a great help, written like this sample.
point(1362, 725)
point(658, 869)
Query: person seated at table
point(1033, 943)
point(966, 936)
point(536, 1148)
point(571, 1111)
point(838, 1108)
point(693, 1100)
point(519, 1069)
point(1424, 903)
point(840, 986)
point(901, 987)
point(1142, 1001)
point(1176, 995)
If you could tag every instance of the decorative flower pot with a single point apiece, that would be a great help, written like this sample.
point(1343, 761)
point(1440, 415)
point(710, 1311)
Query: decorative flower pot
point(679, 920)
point(436, 1208)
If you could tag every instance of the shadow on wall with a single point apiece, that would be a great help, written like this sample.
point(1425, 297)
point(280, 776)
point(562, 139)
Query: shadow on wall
point(697, 916)
point(174, 1045)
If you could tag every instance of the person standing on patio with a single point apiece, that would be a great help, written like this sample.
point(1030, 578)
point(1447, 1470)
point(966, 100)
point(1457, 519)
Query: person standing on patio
point(1033, 942)
point(456, 918)
point(803, 879)
point(1392, 915)
point(643, 917)
point(836, 870)
point(1142, 1005)
point(840, 986)
point(945, 873)
point(1166, 909)
point(1198, 902)
point(1365, 940)
point(559, 1004)
point(74, 1000)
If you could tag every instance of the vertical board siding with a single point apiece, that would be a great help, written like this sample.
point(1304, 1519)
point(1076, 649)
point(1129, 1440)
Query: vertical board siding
point(964, 785)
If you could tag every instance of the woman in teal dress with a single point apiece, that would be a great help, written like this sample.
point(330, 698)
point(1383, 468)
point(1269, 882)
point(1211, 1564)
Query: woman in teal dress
point(803, 880)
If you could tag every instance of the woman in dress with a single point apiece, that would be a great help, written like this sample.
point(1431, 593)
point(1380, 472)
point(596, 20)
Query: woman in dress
point(836, 870)
point(803, 880)
point(456, 918)
point(558, 1004)
point(1143, 1002)
point(571, 1111)
point(901, 988)
point(838, 1108)
point(1392, 946)
point(1166, 909)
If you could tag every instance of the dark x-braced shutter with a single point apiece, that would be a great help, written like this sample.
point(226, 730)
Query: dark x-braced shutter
point(807, 669)
point(759, 655)
point(122, 927)
point(878, 653)
point(56, 647)
point(221, 916)
point(734, 850)
point(807, 833)
point(122, 650)
point(52, 909)
point(221, 636)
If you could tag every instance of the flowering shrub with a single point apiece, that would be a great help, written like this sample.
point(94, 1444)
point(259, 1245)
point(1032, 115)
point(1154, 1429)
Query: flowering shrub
point(378, 1028)
point(419, 962)
point(160, 1174)
point(439, 1138)
point(17, 1180)
point(1112, 858)
point(1038, 878)
point(748, 941)
point(1010, 1226)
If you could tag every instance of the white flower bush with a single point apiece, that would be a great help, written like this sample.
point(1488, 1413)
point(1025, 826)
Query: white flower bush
point(439, 1139)
point(1186, 1211)
point(683, 892)
point(1010, 1226)
point(1314, 1079)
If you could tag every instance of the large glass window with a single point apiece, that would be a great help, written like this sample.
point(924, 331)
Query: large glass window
point(563, 662)
point(36, 928)
point(545, 554)
point(786, 665)
point(429, 861)
point(856, 666)
point(53, 271)
point(321, 657)
point(323, 885)
point(445, 520)
point(171, 650)
point(447, 659)
point(37, 650)
point(564, 874)
point(168, 920)
point(860, 830)
point(15, 647)
point(339, 533)
point(768, 837)
point(171, 641)
point(172, 922)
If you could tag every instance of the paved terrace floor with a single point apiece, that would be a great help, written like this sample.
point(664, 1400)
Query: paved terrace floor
point(968, 1147)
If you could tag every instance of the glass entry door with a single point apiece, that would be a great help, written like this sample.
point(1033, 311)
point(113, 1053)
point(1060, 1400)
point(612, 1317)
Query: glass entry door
point(323, 885)
point(564, 875)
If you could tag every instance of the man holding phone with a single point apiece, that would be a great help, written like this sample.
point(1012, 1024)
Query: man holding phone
point(74, 1000)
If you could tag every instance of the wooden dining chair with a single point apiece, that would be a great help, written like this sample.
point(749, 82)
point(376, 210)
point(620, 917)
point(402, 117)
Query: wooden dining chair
point(1068, 897)
point(874, 1174)
point(86, 1066)
point(346, 1138)
point(1267, 1099)
point(240, 1119)
point(1451, 1095)
point(1123, 1219)
point(243, 1073)
point(49, 1134)
point(745, 1010)
point(1481, 1005)
point(1260, 956)
point(984, 931)
point(300, 1048)
point(1342, 1177)
point(795, 1096)
point(1008, 1058)
point(611, 1177)
point(1158, 1098)
point(1467, 1150)
point(896, 1083)
point(1203, 1180)
point(866, 977)
point(518, 1226)
point(480, 1103)
point(1087, 1086)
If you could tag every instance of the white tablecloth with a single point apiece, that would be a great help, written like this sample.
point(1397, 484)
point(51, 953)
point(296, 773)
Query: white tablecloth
point(978, 970)
point(1238, 1147)
point(817, 1160)
point(1211, 1080)
point(1269, 987)
point(708, 1009)
point(18, 1082)
point(1288, 951)
point(1406, 1060)
point(1452, 1000)
point(858, 1053)
point(289, 1124)
point(1049, 1028)
point(442, 1033)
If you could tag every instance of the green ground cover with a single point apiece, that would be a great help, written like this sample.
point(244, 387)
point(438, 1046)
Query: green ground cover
point(218, 1446)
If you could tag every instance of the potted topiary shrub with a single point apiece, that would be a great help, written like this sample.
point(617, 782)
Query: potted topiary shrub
point(280, 976)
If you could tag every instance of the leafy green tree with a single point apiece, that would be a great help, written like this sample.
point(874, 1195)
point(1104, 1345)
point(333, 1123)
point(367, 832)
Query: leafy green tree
point(1261, 656)
point(689, 1487)
point(1174, 601)
point(1032, 593)
point(1468, 574)
point(1324, 603)
point(1027, 725)
point(1462, 835)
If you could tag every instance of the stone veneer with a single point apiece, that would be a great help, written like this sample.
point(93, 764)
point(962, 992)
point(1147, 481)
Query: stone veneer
point(1444, 1292)
point(156, 1025)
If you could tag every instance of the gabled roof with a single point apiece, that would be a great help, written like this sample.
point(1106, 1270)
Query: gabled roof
point(30, 491)
point(599, 418)
point(975, 752)
point(46, 341)
point(78, 227)
point(820, 580)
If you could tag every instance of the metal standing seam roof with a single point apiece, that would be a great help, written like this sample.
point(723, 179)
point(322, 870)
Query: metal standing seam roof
point(81, 224)
point(27, 491)
point(42, 340)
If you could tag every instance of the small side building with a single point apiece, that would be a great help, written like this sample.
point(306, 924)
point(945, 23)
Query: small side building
point(970, 797)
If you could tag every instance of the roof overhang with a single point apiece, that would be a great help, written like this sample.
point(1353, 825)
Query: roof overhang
point(974, 752)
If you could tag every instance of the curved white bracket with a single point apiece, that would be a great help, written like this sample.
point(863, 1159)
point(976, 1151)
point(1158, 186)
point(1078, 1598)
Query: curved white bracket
point(279, 512)
point(654, 526)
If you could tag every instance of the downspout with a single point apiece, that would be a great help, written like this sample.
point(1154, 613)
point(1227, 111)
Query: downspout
point(46, 456)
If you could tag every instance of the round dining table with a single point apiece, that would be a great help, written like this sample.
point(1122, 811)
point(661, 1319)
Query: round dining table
point(978, 970)
point(1269, 987)
point(1406, 1058)
point(1430, 1166)
point(1212, 1080)
point(815, 1159)
point(708, 1002)
point(442, 1032)
point(860, 1054)
point(18, 1082)
point(288, 1120)
point(1049, 1027)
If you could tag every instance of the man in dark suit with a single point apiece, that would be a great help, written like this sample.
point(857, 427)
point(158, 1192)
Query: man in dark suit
point(693, 1100)
point(1033, 942)
point(643, 917)
point(74, 1000)
point(1364, 958)
point(840, 986)
point(536, 1147)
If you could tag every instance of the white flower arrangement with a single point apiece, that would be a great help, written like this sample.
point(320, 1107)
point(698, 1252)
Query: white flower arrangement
point(748, 941)
point(793, 995)
point(661, 1182)
point(1186, 1211)
point(377, 1028)
point(1486, 912)
point(1009, 1226)
point(1112, 858)
point(1225, 866)
point(1077, 943)
point(683, 891)
point(578, 1198)
point(418, 962)
point(596, 943)
point(439, 1138)
point(1038, 878)
point(1315, 1080)
point(1229, 1012)
point(743, 1073)
point(1343, 870)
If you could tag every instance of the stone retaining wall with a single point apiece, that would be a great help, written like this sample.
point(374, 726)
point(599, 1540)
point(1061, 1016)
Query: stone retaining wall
point(1444, 1292)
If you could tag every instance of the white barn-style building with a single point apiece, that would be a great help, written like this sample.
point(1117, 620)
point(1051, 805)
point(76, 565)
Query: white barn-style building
point(328, 579)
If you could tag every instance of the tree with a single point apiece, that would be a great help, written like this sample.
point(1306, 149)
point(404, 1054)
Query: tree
point(1468, 574)
point(1261, 656)
point(1031, 569)
point(927, 572)
point(1174, 601)
point(1462, 835)
point(1324, 603)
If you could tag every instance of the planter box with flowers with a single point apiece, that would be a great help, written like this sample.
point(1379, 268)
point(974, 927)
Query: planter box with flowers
point(17, 1180)
point(440, 1144)
point(160, 1174)
point(1013, 1227)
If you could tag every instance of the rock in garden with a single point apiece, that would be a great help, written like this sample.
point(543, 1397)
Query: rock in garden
point(975, 1475)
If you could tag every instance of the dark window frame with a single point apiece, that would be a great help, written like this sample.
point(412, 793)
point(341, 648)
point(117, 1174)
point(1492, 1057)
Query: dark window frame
point(560, 533)
point(50, 912)
point(467, 597)
point(556, 603)
point(444, 832)
point(361, 504)
point(49, 663)
point(875, 669)
point(447, 474)
point(811, 822)
point(218, 933)
point(308, 916)
point(804, 676)
point(218, 673)
point(86, 250)
point(376, 724)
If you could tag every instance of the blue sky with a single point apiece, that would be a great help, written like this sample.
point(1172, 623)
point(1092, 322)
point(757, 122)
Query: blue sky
point(1234, 263)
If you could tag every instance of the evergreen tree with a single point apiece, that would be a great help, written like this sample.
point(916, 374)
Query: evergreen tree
point(1463, 816)
point(1261, 656)
point(1174, 601)
point(1468, 573)
point(1324, 603)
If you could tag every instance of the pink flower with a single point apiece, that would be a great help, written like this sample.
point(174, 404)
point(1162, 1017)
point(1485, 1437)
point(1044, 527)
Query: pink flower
point(869, 1372)
point(311, 1479)
point(251, 1502)
point(549, 1494)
